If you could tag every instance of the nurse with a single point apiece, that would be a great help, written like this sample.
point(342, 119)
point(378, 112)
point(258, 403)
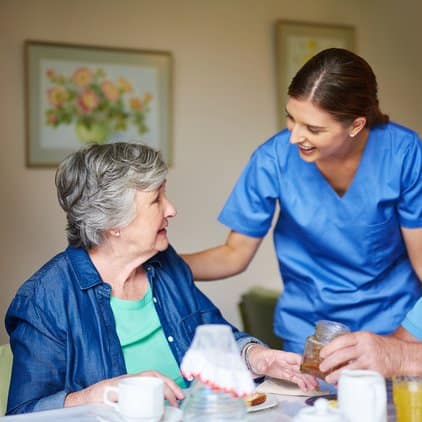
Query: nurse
point(348, 183)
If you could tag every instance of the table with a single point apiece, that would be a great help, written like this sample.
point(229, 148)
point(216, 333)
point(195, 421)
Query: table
point(286, 409)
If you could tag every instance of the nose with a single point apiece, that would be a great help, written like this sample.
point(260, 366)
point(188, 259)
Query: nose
point(170, 209)
point(297, 136)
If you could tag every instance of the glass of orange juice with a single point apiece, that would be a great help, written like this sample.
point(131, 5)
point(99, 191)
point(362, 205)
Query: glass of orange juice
point(407, 396)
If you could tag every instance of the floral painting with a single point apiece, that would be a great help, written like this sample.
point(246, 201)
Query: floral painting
point(79, 95)
point(94, 104)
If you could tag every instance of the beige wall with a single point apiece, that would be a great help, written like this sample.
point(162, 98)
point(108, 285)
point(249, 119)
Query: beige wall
point(224, 106)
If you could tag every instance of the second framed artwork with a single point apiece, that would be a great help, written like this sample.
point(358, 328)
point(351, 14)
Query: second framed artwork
point(83, 94)
point(296, 42)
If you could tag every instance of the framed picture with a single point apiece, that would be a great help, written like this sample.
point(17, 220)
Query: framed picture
point(79, 94)
point(296, 42)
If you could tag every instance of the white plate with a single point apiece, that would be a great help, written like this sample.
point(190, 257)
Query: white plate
point(271, 401)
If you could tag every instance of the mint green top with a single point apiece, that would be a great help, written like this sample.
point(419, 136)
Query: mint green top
point(142, 338)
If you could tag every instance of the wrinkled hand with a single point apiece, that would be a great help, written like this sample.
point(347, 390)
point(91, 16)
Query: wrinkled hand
point(362, 350)
point(172, 392)
point(95, 392)
point(280, 364)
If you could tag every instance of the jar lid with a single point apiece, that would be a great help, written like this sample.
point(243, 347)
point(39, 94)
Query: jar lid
point(319, 412)
point(326, 330)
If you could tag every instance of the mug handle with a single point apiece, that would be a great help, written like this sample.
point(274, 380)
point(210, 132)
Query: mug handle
point(107, 390)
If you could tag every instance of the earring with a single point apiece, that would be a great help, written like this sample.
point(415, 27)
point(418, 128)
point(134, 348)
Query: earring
point(116, 233)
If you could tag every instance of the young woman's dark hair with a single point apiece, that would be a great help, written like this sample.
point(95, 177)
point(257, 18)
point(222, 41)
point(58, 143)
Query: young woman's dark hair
point(341, 83)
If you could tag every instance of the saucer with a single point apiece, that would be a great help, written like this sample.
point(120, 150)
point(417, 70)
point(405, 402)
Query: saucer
point(271, 401)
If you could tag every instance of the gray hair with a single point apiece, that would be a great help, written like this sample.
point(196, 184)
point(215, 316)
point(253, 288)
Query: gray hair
point(96, 187)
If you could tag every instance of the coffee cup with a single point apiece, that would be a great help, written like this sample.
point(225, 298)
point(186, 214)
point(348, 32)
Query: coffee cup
point(362, 396)
point(138, 398)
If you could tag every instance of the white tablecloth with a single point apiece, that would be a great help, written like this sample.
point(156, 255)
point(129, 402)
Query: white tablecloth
point(286, 409)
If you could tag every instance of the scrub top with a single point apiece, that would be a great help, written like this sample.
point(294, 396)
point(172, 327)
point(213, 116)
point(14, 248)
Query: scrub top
point(341, 257)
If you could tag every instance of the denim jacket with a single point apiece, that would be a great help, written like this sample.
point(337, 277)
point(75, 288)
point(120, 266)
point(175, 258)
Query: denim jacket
point(62, 329)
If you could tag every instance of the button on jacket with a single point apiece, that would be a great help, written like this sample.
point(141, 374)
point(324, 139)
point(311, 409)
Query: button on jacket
point(62, 329)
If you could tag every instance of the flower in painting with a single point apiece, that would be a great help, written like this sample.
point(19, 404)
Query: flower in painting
point(135, 104)
point(88, 101)
point(124, 85)
point(57, 96)
point(110, 91)
point(52, 118)
point(140, 107)
point(82, 77)
point(51, 74)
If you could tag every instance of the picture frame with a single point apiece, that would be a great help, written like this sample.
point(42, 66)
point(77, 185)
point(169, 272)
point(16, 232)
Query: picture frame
point(296, 42)
point(79, 94)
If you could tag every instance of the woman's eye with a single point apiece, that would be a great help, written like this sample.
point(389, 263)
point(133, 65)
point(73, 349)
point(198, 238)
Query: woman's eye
point(313, 131)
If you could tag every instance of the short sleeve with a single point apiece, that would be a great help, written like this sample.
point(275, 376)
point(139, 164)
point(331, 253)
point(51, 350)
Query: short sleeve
point(410, 205)
point(250, 207)
point(413, 320)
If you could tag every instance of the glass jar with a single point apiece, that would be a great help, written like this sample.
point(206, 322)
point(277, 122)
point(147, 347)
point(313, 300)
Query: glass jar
point(325, 331)
point(203, 404)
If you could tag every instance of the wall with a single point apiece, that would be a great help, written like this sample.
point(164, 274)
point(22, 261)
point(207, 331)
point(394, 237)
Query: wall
point(224, 106)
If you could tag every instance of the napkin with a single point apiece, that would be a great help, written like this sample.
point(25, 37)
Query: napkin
point(276, 386)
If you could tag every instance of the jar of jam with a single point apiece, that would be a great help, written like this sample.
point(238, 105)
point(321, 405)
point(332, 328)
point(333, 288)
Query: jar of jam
point(325, 331)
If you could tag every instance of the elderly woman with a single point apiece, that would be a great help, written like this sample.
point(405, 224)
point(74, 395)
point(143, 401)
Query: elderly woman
point(118, 301)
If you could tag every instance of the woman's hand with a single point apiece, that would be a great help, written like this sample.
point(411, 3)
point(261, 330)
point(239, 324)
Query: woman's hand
point(280, 364)
point(172, 392)
point(95, 393)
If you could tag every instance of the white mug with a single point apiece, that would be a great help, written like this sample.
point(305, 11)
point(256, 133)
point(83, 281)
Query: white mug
point(362, 396)
point(138, 398)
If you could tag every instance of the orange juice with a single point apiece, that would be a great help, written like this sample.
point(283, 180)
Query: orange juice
point(407, 395)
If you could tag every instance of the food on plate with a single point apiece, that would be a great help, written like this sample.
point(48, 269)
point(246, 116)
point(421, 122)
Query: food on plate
point(255, 399)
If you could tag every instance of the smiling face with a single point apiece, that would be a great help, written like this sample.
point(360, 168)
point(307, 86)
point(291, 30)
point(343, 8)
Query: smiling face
point(147, 233)
point(317, 134)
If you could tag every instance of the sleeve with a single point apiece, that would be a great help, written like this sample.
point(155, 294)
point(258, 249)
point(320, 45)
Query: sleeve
point(410, 206)
point(413, 320)
point(38, 370)
point(250, 207)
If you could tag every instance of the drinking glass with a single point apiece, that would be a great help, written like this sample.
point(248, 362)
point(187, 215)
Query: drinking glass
point(407, 397)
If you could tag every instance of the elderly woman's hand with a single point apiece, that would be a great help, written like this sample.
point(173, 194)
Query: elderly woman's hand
point(280, 364)
point(95, 392)
point(362, 350)
point(172, 392)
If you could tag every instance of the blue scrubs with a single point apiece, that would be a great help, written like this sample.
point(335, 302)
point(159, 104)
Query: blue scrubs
point(340, 258)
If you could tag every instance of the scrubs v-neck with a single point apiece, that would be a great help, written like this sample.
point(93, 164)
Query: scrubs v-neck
point(341, 258)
